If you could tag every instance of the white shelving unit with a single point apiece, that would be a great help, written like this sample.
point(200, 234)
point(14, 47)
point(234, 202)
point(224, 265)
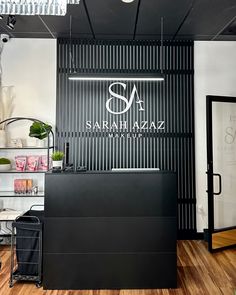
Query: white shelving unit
point(10, 199)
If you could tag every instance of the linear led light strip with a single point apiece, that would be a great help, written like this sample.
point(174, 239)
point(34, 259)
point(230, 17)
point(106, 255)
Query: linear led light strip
point(117, 78)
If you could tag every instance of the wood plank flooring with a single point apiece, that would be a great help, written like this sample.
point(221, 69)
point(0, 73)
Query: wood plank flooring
point(224, 238)
point(199, 273)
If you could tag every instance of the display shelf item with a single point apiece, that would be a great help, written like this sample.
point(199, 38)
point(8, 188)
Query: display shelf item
point(13, 194)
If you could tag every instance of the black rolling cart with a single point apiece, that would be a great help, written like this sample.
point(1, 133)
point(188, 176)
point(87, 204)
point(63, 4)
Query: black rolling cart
point(26, 247)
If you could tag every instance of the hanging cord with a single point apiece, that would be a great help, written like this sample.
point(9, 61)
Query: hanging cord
point(72, 63)
point(161, 53)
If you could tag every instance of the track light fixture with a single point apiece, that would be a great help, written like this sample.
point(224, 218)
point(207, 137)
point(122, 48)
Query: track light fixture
point(121, 76)
point(11, 20)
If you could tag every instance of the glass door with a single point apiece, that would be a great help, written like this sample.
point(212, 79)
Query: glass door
point(221, 171)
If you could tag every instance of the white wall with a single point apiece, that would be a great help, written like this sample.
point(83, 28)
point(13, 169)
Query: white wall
point(215, 74)
point(30, 66)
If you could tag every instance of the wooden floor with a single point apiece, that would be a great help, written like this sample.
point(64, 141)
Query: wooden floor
point(199, 272)
point(224, 238)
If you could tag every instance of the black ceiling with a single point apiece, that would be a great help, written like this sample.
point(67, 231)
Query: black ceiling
point(141, 19)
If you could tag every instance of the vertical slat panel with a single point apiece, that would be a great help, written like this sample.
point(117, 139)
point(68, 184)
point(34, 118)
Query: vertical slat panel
point(170, 101)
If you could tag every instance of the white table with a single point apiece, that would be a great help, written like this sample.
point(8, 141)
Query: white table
point(9, 215)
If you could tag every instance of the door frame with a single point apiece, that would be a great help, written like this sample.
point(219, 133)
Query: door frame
point(210, 173)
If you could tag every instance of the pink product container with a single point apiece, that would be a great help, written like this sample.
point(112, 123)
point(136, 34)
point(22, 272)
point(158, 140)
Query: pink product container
point(43, 163)
point(33, 163)
point(23, 186)
point(20, 163)
point(17, 185)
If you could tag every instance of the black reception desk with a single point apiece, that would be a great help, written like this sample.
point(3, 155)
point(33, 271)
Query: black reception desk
point(110, 230)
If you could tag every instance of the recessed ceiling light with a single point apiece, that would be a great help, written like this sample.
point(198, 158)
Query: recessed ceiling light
point(127, 1)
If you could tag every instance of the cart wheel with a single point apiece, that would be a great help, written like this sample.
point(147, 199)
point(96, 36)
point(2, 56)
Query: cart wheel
point(39, 285)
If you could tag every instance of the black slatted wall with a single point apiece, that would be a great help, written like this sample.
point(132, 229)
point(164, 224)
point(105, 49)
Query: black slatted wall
point(171, 101)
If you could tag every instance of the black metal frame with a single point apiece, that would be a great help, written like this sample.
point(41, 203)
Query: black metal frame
point(210, 175)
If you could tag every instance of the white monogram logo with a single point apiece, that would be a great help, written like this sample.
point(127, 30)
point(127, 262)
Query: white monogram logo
point(127, 102)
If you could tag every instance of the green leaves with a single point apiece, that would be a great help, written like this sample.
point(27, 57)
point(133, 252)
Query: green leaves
point(57, 156)
point(39, 130)
point(4, 161)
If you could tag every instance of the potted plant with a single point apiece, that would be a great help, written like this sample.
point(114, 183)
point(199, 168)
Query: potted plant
point(40, 131)
point(57, 159)
point(5, 164)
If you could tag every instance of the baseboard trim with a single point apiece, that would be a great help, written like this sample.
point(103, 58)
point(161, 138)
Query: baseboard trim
point(190, 236)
